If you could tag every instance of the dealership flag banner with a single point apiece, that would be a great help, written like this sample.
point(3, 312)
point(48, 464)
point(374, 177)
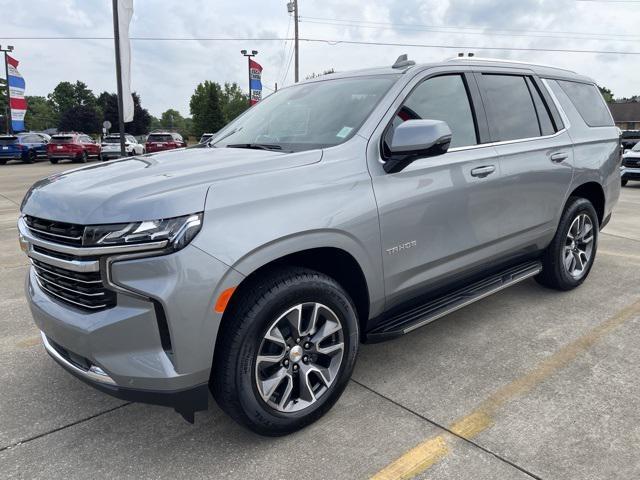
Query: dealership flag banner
point(17, 102)
point(125, 12)
point(255, 81)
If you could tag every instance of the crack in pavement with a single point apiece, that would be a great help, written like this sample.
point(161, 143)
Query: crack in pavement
point(63, 427)
point(449, 431)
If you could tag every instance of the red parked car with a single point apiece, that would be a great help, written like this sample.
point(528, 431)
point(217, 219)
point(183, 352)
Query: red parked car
point(76, 147)
point(159, 141)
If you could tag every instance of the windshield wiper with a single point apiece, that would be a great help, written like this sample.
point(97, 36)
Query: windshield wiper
point(256, 146)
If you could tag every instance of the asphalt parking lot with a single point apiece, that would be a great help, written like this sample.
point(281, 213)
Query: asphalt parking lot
point(528, 383)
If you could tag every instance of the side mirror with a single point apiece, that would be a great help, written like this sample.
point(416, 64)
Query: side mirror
point(416, 139)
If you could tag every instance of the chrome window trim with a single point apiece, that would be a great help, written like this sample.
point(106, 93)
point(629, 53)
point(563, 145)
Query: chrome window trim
point(70, 366)
point(87, 251)
point(565, 118)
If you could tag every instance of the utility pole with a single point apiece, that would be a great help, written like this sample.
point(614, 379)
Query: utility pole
point(292, 7)
point(116, 36)
point(249, 55)
point(296, 46)
point(6, 72)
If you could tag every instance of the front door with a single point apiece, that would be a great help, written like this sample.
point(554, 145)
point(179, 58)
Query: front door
point(440, 216)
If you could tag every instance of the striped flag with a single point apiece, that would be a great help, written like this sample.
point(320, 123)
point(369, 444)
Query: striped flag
point(17, 102)
point(255, 81)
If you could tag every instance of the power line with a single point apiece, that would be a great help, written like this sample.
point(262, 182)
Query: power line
point(449, 27)
point(347, 42)
point(469, 47)
point(464, 32)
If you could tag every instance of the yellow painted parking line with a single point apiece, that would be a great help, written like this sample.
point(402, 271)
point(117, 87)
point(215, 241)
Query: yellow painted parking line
point(432, 450)
point(416, 460)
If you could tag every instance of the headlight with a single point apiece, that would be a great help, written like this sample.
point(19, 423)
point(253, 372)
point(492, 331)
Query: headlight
point(178, 231)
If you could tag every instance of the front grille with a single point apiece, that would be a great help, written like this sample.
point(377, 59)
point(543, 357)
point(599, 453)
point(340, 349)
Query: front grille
point(631, 162)
point(58, 232)
point(81, 290)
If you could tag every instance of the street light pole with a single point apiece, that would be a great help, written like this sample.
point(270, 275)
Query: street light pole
point(249, 55)
point(116, 36)
point(6, 72)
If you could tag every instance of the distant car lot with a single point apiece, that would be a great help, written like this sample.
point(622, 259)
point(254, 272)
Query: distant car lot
point(527, 382)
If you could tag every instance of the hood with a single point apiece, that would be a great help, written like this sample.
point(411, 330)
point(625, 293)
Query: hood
point(631, 154)
point(149, 187)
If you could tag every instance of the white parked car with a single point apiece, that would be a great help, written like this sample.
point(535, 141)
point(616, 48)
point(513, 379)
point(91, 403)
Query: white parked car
point(111, 146)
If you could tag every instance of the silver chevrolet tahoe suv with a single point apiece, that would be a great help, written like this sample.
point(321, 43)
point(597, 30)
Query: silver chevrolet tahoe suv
point(350, 208)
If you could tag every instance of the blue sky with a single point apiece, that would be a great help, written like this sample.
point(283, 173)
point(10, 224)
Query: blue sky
point(166, 72)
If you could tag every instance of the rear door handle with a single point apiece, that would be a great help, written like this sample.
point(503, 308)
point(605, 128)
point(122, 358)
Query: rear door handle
point(559, 157)
point(483, 171)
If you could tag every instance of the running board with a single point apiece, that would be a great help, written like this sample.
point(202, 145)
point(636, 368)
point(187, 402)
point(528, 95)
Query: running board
point(409, 320)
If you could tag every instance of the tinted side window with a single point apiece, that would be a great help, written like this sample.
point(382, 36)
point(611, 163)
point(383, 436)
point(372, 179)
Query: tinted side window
point(510, 108)
point(544, 116)
point(442, 98)
point(589, 102)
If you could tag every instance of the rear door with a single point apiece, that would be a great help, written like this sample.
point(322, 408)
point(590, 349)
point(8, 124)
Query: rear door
point(439, 217)
point(536, 154)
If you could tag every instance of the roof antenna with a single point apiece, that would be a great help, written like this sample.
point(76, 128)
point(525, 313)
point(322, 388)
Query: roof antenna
point(403, 61)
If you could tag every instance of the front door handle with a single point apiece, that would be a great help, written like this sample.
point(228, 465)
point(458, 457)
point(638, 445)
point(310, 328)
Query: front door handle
point(482, 172)
point(559, 157)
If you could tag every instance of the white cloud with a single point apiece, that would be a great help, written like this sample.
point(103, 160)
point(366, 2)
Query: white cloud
point(166, 72)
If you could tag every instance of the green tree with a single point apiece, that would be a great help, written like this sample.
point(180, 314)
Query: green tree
point(81, 118)
point(40, 114)
point(172, 120)
point(233, 101)
point(206, 109)
point(324, 72)
point(607, 94)
point(108, 104)
point(75, 97)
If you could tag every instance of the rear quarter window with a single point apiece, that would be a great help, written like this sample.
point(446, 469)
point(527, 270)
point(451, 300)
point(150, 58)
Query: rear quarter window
point(589, 103)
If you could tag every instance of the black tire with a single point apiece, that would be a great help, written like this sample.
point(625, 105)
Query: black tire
point(554, 273)
point(31, 157)
point(3, 162)
point(624, 182)
point(83, 158)
point(233, 381)
point(53, 161)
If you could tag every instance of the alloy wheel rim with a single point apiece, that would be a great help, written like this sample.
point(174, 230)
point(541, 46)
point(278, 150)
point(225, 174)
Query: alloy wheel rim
point(578, 247)
point(299, 357)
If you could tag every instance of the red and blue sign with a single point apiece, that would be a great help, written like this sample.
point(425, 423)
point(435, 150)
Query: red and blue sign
point(17, 102)
point(255, 81)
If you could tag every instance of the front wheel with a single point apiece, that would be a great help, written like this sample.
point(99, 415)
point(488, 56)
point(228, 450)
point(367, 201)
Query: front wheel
point(287, 351)
point(53, 161)
point(624, 182)
point(567, 261)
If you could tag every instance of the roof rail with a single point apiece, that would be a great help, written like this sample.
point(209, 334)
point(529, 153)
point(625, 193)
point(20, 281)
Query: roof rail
point(473, 58)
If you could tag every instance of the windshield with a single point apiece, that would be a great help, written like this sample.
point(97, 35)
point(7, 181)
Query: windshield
point(159, 138)
point(111, 140)
point(61, 139)
point(8, 140)
point(307, 116)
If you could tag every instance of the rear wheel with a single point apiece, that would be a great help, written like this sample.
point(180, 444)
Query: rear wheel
point(288, 353)
point(53, 160)
point(83, 157)
point(31, 157)
point(567, 261)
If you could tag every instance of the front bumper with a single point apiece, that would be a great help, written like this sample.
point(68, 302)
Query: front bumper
point(628, 173)
point(156, 344)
